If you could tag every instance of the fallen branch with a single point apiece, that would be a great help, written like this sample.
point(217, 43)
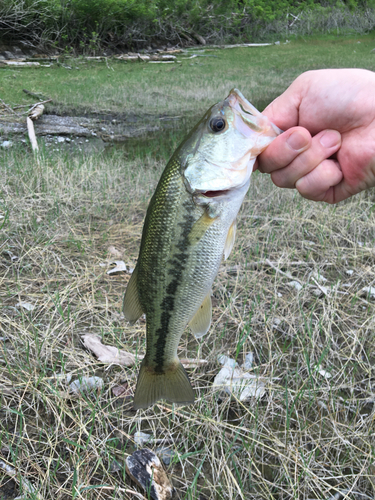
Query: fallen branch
point(33, 94)
point(32, 136)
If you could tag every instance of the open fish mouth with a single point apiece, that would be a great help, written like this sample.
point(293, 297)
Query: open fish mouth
point(214, 194)
point(248, 113)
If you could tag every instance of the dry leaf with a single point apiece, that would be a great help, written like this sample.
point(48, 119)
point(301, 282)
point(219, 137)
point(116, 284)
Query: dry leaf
point(108, 353)
point(233, 380)
point(122, 391)
point(120, 267)
point(26, 305)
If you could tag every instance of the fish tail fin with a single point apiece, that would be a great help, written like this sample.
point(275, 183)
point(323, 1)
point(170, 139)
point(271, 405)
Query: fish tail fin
point(172, 384)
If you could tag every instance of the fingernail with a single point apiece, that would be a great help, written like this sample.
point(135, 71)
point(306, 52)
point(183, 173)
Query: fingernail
point(330, 138)
point(297, 141)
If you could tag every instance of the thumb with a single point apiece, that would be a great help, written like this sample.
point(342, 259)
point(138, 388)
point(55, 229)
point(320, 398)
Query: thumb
point(284, 110)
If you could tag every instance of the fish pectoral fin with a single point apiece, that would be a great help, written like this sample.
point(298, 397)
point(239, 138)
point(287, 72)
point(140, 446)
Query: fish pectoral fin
point(201, 321)
point(132, 307)
point(200, 227)
point(231, 236)
point(171, 384)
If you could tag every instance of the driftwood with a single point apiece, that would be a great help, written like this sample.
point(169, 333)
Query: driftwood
point(145, 469)
point(146, 58)
point(19, 63)
point(34, 113)
point(32, 136)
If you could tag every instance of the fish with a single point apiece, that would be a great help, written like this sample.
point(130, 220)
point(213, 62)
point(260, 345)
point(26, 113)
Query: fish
point(190, 225)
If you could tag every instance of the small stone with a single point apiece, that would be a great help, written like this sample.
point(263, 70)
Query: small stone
point(6, 144)
point(86, 384)
point(115, 466)
point(141, 438)
point(295, 284)
point(61, 139)
point(324, 373)
point(166, 455)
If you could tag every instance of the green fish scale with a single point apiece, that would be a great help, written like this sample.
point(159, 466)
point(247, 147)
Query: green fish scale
point(174, 275)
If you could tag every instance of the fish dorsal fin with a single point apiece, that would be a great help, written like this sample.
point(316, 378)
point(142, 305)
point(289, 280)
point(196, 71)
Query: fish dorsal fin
point(132, 307)
point(231, 236)
point(201, 321)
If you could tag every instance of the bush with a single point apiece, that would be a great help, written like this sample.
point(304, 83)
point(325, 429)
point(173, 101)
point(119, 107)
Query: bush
point(90, 25)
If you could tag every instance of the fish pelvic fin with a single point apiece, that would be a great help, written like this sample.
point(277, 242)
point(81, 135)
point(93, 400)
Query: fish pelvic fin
point(172, 384)
point(229, 243)
point(201, 321)
point(132, 307)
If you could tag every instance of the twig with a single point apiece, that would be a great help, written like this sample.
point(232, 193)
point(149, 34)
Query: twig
point(288, 275)
point(38, 104)
point(8, 108)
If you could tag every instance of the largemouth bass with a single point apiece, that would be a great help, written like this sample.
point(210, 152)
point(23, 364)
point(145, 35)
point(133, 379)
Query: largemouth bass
point(190, 225)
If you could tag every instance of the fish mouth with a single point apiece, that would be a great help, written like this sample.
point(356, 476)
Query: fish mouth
point(214, 194)
point(249, 114)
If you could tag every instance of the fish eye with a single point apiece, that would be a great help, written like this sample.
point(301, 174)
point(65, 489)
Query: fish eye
point(217, 124)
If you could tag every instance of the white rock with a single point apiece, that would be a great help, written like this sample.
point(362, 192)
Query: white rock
point(319, 277)
point(295, 284)
point(86, 384)
point(349, 272)
point(60, 139)
point(6, 144)
point(140, 438)
point(324, 373)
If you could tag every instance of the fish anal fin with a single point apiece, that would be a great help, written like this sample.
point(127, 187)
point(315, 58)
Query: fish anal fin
point(201, 321)
point(132, 307)
point(171, 384)
point(231, 236)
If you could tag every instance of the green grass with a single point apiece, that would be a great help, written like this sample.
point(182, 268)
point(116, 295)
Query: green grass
point(309, 436)
point(189, 88)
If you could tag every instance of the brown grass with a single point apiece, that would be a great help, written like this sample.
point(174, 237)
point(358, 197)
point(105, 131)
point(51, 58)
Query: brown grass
point(309, 437)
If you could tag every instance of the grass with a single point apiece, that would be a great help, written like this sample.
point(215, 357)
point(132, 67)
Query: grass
point(183, 89)
point(309, 437)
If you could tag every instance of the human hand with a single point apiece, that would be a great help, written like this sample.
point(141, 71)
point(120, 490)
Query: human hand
point(324, 112)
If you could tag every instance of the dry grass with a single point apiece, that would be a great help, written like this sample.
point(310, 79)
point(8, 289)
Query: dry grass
point(309, 437)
